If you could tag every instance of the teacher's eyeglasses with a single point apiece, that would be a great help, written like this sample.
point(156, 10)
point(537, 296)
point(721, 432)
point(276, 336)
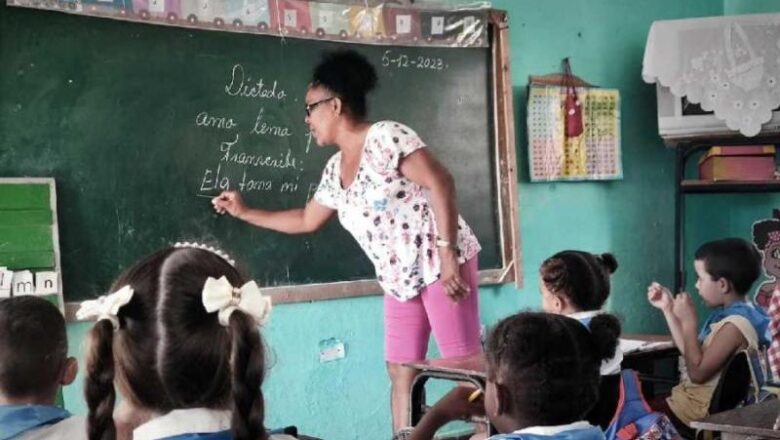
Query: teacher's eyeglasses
point(310, 107)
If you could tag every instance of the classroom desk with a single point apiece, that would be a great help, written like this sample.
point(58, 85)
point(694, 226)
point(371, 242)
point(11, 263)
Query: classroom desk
point(462, 369)
point(472, 369)
point(656, 364)
point(749, 422)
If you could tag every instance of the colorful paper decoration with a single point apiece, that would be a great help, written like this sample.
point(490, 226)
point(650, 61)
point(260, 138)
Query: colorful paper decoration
point(401, 25)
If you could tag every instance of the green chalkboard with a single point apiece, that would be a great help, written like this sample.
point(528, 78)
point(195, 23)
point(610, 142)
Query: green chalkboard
point(138, 124)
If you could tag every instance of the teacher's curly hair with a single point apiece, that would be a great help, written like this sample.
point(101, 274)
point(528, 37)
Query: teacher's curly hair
point(350, 76)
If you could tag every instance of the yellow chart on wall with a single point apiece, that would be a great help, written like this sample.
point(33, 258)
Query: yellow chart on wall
point(594, 155)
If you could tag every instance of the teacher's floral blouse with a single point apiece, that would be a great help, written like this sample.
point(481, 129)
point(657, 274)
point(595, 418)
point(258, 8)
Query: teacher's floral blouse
point(389, 215)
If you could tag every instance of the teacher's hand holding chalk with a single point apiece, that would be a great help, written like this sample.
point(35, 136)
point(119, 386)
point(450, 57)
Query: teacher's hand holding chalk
point(230, 202)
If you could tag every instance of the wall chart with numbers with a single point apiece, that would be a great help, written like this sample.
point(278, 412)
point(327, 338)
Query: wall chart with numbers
point(593, 155)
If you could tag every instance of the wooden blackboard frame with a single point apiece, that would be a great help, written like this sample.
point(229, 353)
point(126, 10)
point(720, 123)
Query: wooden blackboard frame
point(506, 182)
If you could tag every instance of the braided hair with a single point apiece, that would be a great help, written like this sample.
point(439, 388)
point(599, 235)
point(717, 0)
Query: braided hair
point(170, 353)
point(582, 277)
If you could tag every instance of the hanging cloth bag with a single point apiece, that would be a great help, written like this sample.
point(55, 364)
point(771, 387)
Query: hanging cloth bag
point(572, 107)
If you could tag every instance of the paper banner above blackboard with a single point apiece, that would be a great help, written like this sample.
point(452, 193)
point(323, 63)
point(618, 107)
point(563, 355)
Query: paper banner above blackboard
point(378, 24)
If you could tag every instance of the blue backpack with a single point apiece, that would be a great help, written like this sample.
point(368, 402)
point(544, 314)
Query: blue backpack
point(592, 433)
point(634, 419)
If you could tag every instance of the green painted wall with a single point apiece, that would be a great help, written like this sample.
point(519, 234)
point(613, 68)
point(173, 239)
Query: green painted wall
point(736, 7)
point(714, 216)
point(633, 218)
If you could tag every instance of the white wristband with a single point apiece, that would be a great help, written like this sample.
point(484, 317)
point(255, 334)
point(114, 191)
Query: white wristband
point(445, 243)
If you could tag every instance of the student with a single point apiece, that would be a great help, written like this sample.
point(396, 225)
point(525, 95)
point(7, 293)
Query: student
point(577, 284)
point(542, 379)
point(178, 338)
point(34, 364)
point(725, 269)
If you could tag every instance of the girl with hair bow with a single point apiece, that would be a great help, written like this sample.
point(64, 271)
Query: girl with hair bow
point(178, 337)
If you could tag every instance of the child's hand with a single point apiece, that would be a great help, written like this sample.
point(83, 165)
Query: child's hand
point(660, 297)
point(684, 309)
point(455, 405)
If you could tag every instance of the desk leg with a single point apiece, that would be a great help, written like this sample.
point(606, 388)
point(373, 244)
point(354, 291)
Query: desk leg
point(658, 374)
point(417, 407)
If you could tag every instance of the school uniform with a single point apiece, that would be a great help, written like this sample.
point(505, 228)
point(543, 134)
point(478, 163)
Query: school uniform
point(39, 422)
point(574, 431)
point(690, 401)
point(191, 424)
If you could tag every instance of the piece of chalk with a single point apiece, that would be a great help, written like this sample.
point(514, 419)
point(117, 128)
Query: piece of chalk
point(475, 395)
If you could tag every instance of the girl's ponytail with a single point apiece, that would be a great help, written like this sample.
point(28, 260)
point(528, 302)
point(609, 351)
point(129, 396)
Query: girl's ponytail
point(609, 262)
point(248, 364)
point(605, 331)
point(99, 384)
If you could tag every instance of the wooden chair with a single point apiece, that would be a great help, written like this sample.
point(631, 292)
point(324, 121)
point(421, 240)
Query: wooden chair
point(733, 385)
point(739, 384)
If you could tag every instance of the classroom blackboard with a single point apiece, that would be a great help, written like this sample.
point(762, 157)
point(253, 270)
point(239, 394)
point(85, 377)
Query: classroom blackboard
point(140, 124)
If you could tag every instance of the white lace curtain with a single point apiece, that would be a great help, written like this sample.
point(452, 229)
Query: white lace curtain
point(729, 65)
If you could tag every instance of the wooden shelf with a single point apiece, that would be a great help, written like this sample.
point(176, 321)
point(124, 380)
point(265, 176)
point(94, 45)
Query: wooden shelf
point(726, 186)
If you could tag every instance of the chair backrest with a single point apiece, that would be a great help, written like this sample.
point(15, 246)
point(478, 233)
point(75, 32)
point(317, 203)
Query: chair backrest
point(733, 385)
point(603, 412)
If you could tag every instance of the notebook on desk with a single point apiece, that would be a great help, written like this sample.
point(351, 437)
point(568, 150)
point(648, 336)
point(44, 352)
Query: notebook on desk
point(637, 346)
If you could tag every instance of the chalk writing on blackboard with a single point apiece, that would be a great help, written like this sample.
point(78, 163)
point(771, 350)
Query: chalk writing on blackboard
point(400, 60)
point(240, 160)
point(204, 119)
point(263, 128)
point(242, 85)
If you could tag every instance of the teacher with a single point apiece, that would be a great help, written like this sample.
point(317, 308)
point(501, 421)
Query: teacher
point(398, 202)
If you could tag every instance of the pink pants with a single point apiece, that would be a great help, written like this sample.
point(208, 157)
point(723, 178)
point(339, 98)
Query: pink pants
point(455, 326)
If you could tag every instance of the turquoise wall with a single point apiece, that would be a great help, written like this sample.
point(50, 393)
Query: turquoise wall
point(633, 218)
point(736, 7)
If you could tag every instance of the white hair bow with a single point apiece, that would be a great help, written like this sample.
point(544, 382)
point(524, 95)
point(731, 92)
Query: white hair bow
point(220, 295)
point(106, 306)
